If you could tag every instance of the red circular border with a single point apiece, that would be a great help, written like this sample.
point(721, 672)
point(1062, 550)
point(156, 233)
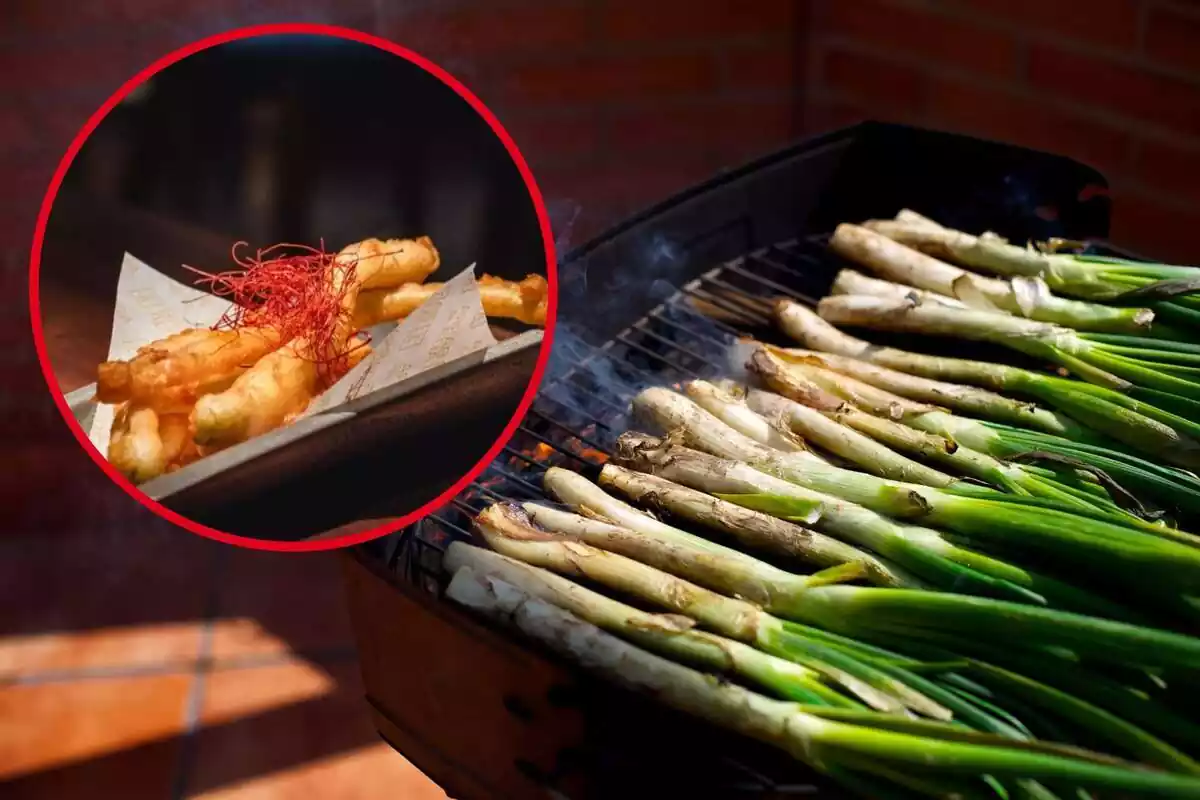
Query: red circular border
point(246, 33)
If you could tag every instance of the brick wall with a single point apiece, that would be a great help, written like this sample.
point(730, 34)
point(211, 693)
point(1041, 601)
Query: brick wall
point(1113, 83)
point(618, 102)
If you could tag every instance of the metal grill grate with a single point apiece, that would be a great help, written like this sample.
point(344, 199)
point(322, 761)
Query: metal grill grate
point(580, 412)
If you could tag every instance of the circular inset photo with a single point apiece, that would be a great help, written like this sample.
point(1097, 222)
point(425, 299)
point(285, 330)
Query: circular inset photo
point(289, 280)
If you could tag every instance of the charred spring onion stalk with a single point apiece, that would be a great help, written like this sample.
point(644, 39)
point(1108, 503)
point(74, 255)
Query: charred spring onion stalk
point(752, 528)
point(1170, 378)
point(825, 743)
point(920, 551)
point(1023, 296)
point(882, 680)
point(796, 389)
point(1164, 287)
point(958, 397)
point(508, 531)
point(1125, 477)
point(882, 610)
point(1132, 422)
point(999, 520)
point(863, 451)
point(1057, 474)
point(847, 281)
point(590, 500)
point(670, 635)
point(741, 576)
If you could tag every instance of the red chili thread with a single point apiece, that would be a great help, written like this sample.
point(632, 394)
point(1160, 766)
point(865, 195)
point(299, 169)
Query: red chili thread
point(289, 294)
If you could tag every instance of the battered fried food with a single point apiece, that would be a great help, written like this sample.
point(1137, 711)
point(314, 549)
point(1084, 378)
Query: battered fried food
point(145, 444)
point(280, 385)
point(523, 300)
point(170, 374)
point(113, 377)
point(391, 262)
point(357, 350)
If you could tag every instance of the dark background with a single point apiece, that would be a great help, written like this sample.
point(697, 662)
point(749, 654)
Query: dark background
point(615, 103)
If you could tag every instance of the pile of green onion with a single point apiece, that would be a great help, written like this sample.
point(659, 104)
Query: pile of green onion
point(921, 576)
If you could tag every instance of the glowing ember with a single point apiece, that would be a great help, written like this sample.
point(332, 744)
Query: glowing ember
point(591, 454)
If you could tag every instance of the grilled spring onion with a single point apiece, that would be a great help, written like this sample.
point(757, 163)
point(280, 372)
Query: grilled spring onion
point(1062, 478)
point(886, 609)
point(847, 281)
point(1120, 472)
point(943, 750)
point(670, 635)
point(1037, 527)
point(752, 528)
point(1013, 525)
point(958, 397)
point(508, 531)
point(797, 389)
point(845, 442)
point(663, 494)
point(924, 552)
point(1091, 277)
point(590, 500)
point(1137, 424)
point(1024, 296)
point(1147, 370)
point(768, 587)
point(885, 682)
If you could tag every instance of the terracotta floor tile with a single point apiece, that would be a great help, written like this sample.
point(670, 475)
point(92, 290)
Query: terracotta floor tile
point(171, 644)
point(280, 602)
point(375, 772)
point(295, 731)
point(92, 738)
point(123, 595)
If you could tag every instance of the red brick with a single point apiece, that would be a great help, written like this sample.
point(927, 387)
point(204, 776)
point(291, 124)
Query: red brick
point(674, 20)
point(56, 122)
point(556, 138)
point(1138, 94)
point(650, 181)
point(16, 230)
point(594, 80)
point(720, 127)
point(624, 184)
point(878, 84)
point(52, 17)
point(774, 67)
point(827, 115)
point(18, 130)
point(483, 32)
point(98, 64)
point(151, 11)
point(1172, 37)
point(1175, 170)
point(25, 182)
point(941, 39)
point(1108, 22)
point(1154, 229)
point(999, 115)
